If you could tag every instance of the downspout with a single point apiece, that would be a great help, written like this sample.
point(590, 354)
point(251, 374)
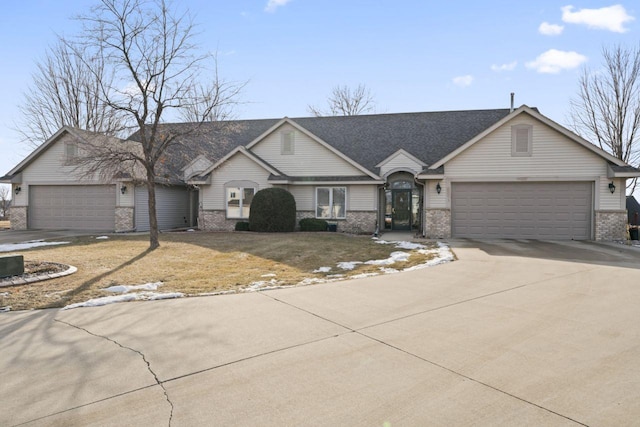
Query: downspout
point(422, 211)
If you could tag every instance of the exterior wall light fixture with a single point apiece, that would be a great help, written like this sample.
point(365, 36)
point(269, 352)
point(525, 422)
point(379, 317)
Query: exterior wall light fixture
point(438, 188)
point(612, 187)
point(18, 190)
point(123, 189)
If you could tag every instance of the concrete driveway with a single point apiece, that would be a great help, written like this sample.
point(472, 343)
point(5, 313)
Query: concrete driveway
point(498, 337)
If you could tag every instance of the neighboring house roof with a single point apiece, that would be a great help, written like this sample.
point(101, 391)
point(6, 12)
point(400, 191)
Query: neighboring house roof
point(633, 210)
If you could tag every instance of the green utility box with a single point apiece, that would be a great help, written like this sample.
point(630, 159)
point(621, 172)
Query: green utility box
point(11, 265)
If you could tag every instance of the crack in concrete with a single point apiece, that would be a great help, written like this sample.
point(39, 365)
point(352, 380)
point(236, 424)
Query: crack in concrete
point(360, 332)
point(138, 352)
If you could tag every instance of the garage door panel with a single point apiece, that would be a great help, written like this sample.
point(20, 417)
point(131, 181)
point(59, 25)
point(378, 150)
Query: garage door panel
point(532, 210)
point(76, 207)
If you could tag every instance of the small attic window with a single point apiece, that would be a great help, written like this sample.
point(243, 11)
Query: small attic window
point(71, 151)
point(287, 142)
point(521, 140)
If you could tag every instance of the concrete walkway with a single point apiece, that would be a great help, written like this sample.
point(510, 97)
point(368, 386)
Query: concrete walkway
point(500, 339)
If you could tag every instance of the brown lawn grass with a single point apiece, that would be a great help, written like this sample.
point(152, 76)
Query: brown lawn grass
point(193, 263)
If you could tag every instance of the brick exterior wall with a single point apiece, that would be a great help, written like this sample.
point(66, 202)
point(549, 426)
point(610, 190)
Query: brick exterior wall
point(611, 225)
point(18, 217)
point(360, 222)
point(356, 222)
point(437, 223)
point(216, 221)
point(124, 219)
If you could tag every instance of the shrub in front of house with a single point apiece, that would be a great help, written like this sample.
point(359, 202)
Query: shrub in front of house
point(272, 210)
point(313, 224)
point(242, 226)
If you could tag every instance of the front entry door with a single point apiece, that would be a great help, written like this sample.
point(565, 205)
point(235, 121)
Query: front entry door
point(401, 210)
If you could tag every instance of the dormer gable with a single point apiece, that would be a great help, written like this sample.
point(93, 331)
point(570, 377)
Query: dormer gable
point(400, 161)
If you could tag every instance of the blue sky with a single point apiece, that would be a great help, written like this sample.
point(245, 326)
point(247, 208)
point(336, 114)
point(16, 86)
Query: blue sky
point(413, 55)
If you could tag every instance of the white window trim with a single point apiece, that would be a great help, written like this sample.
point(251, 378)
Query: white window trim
point(241, 204)
point(283, 137)
point(514, 133)
point(331, 202)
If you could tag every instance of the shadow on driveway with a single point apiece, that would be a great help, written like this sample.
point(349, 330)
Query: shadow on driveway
point(587, 252)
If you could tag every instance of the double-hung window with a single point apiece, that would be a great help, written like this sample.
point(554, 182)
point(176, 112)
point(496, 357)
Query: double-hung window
point(239, 201)
point(331, 202)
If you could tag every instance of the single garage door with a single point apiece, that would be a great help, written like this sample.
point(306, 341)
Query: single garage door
point(73, 207)
point(522, 210)
point(172, 207)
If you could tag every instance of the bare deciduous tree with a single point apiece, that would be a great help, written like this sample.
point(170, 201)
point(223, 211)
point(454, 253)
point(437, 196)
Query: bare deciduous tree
point(607, 107)
point(148, 47)
point(5, 192)
point(212, 101)
point(65, 92)
point(345, 101)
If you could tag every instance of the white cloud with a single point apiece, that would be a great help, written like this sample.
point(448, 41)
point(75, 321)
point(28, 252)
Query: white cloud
point(610, 18)
point(550, 29)
point(553, 61)
point(463, 81)
point(504, 67)
point(272, 5)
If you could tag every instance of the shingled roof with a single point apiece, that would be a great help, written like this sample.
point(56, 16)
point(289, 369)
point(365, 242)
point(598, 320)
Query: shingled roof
point(367, 139)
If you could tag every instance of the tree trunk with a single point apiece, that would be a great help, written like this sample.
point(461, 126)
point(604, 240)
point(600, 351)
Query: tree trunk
point(154, 243)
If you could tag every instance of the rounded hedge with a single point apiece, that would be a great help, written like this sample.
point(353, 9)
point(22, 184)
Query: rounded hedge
point(272, 210)
point(313, 224)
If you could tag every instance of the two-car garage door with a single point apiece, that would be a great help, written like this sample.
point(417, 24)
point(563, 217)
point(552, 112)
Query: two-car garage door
point(522, 210)
point(74, 207)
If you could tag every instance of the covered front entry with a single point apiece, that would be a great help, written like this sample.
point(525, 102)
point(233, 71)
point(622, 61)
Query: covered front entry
point(522, 210)
point(401, 203)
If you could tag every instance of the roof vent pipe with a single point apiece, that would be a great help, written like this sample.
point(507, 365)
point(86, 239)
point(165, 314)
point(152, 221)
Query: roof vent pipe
point(512, 97)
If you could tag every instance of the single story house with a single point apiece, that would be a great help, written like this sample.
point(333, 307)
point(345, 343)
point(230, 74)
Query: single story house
point(501, 173)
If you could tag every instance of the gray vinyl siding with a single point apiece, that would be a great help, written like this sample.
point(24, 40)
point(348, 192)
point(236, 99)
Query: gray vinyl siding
point(362, 197)
point(400, 162)
point(553, 157)
point(172, 208)
point(310, 158)
point(73, 207)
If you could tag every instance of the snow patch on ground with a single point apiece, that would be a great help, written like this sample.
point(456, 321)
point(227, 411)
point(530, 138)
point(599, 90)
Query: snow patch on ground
point(125, 296)
point(348, 265)
point(136, 296)
point(269, 275)
point(121, 289)
point(102, 237)
point(322, 270)
point(11, 247)
point(393, 258)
